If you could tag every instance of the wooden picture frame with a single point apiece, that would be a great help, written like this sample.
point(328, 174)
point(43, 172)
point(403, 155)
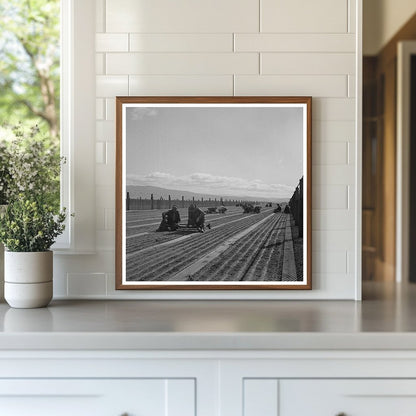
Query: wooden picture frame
point(201, 155)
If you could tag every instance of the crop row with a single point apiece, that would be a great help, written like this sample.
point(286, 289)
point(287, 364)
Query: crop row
point(160, 263)
point(258, 256)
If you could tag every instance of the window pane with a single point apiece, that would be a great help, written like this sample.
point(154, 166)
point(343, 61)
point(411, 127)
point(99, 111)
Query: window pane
point(30, 68)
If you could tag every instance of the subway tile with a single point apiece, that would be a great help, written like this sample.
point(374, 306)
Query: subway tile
point(110, 109)
point(105, 240)
point(294, 42)
point(105, 131)
point(351, 261)
point(330, 109)
point(351, 153)
point(330, 240)
point(307, 63)
point(111, 153)
point(99, 109)
point(100, 218)
point(333, 175)
point(182, 42)
point(110, 218)
point(100, 15)
point(181, 85)
point(100, 153)
point(111, 284)
point(333, 130)
point(329, 262)
point(60, 284)
point(179, 16)
point(99, 63)
point(112, 42)
point(105, 175)
point(330, 153)
point(330, 197)
point(299, 16)
point(333, 219)
point(352, 20)
point(86, 284)
point(104, 196)
point(182, 63)
point(311, 85)
point(351, 86)
point(351, 197)
point(111, 86)
point(335, 286)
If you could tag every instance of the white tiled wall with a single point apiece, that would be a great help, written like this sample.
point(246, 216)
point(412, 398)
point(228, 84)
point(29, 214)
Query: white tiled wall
point(232, 47)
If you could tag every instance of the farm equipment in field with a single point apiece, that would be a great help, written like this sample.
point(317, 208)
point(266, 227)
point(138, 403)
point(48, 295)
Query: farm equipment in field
point(222, 209)
point(251, 209)
point(211, 210)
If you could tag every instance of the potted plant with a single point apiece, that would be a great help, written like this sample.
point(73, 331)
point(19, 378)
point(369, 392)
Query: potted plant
point(32, 220)
point(5, 179)
point(28, 229)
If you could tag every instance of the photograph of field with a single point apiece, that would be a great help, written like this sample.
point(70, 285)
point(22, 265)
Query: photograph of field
point(213, 195)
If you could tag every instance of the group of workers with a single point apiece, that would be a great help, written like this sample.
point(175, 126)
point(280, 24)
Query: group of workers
point(172, 218)
point(196, 217)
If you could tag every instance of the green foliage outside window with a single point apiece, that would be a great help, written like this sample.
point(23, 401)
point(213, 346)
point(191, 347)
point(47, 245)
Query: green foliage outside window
point(30, 83)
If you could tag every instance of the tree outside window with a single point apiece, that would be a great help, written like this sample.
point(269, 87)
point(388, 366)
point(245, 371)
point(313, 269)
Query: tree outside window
point(30, 69)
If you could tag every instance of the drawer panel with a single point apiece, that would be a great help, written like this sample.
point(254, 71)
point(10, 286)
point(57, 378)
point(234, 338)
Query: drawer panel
point(86, 397)
point(348, 397)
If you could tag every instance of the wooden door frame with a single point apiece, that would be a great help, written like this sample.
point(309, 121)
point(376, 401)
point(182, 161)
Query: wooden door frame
point(404, 50)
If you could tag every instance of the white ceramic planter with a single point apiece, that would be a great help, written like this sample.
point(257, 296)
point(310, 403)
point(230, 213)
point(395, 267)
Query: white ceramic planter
point(28, 279)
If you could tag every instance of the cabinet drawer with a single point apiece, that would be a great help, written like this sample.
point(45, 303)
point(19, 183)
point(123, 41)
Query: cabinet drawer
point(86, 397)
point(348, 397)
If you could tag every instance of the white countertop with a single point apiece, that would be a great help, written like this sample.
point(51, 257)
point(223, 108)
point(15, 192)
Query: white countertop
point(384, 320)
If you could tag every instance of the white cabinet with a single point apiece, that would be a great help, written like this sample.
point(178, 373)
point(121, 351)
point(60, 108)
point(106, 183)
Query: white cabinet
point(207, 383)
point(87, 397)
point(349, 397)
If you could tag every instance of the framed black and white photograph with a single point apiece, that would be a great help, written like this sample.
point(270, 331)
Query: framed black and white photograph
point(213, 193)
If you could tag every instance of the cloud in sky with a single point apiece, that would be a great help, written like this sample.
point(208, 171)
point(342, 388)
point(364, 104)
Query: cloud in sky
point(212, 184)
point(138, 113)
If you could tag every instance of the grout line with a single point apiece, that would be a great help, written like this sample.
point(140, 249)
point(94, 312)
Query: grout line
point(348, 87)
point(260, 65)
point(348, 153)
point(260, 21)
point(233, 84)
point(128, 42)
point(347, 262)
point(348, 197)
point(348, 16)
point(104, 17)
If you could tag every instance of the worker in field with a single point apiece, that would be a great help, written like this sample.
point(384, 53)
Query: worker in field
point(287, 209)
point(196, 218)
point(170, 220)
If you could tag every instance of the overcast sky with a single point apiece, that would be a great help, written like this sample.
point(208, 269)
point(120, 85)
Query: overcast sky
point(234, 151)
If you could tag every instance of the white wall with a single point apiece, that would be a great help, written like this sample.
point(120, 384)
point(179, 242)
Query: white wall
point(232, 47)
point(381, 20)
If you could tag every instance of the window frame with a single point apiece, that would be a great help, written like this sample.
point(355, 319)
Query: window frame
point(77, 102)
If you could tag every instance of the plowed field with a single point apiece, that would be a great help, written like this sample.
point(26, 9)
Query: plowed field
point(238, 247)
